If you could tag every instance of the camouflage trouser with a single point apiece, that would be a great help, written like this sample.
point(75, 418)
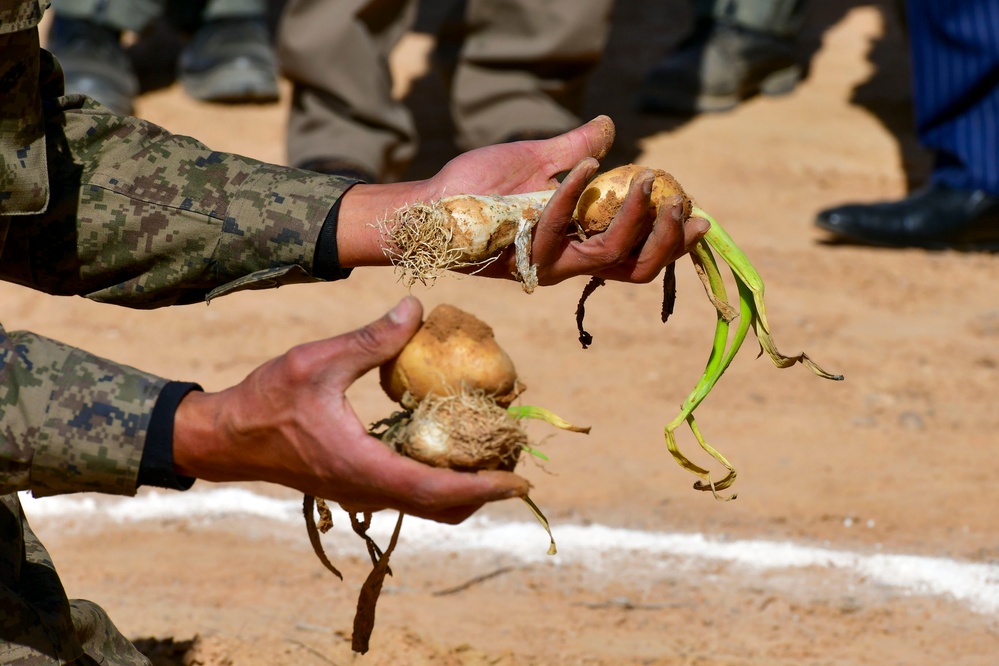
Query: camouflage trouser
point(38, 624)
point(781, 17)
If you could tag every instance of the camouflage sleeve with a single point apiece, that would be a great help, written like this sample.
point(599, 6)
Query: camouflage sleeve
point(70, 421)
point(144, 218)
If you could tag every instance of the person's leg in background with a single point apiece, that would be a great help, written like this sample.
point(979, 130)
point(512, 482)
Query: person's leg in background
point(738, 48)
point(523, 66)
point(85, 35)
point(955, 59)
point(230, 57)
point(343, 118)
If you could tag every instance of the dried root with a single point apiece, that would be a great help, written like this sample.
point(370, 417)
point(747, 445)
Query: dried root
point(419, 241)
point(422, 240)
point(464, 430)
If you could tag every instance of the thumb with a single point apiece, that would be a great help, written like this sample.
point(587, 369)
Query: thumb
point(374, 344)
point(592, 139)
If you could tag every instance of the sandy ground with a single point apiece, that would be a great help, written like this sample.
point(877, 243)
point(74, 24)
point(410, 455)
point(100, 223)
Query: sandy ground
point(892, 466)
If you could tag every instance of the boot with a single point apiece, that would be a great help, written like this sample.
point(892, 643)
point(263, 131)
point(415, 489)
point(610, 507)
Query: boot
point(230, 60)
point(94, 62)
point(717, 67)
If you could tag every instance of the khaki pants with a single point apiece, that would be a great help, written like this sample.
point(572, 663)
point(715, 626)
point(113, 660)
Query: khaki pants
point(521, 66)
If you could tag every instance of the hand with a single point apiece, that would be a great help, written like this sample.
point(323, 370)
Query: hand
point(289, 422)
point(630, 250)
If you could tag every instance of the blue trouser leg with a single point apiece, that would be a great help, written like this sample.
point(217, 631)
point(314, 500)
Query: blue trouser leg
point(955, 66)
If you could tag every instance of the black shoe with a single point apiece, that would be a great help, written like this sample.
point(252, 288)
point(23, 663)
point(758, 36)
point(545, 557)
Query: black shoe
point(935, 217)
point(230, 60)
point(94, 62)
point(336, 166)
point(717, 67)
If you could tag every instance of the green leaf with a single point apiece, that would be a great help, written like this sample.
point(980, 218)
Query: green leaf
point(542, 414)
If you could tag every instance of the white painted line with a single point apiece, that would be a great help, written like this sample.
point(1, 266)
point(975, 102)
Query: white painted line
point(975, 584)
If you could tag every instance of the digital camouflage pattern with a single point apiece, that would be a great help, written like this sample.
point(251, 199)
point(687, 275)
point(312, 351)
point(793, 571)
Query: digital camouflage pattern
point(71, 421)
point(38, 624)
point(23, 157)
point(120, 211)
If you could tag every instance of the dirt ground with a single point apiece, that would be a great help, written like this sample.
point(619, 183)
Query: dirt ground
point(896, 460)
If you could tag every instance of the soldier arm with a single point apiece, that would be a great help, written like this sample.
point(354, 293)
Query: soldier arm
point(72, 421)
point(141, 217)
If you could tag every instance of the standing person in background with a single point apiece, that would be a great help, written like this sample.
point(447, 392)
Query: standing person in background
point(229, 58)
point(521, 72)
point(738, 48)
point(955, 85)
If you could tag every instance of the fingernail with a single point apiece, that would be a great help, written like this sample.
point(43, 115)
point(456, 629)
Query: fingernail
point(515, 486)
point(522, 489)
point(399, 313)
point(676, 207)
point(647, 184)
point(515, 492)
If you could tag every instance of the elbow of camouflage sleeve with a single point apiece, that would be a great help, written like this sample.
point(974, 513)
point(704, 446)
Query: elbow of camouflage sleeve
point(79, 422)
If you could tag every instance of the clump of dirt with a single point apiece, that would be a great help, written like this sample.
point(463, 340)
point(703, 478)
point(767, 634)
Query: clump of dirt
point(448, 321)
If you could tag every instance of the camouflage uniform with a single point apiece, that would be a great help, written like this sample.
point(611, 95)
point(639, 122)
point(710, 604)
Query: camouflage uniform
point(120, 211)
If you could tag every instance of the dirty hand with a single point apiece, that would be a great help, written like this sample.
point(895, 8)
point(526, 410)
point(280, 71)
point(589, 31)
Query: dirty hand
point(289, 422)
point(630, 250)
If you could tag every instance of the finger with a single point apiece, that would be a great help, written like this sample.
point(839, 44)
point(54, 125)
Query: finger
point(601, 254)
point(664, 245)
point(693, 230)
point(593, 139)
point(598, 135)
point(448, 496)
point(368, 347)
point(416, 488)
point(550, 235)
point(671, 238)
point(634, 220)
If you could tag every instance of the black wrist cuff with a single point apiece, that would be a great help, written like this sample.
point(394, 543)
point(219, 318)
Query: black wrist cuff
point(156, 467)
point(326, 261)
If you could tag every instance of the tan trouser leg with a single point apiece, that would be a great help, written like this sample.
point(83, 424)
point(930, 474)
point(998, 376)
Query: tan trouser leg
point(335, 52)
point(524, 66)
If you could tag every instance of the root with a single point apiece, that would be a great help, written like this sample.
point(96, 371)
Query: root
point(418, 241)
point(595, 283)
point(313, 531)
point(464, 430)
point(669, 301)
point(364, 618)
point(669, 292)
